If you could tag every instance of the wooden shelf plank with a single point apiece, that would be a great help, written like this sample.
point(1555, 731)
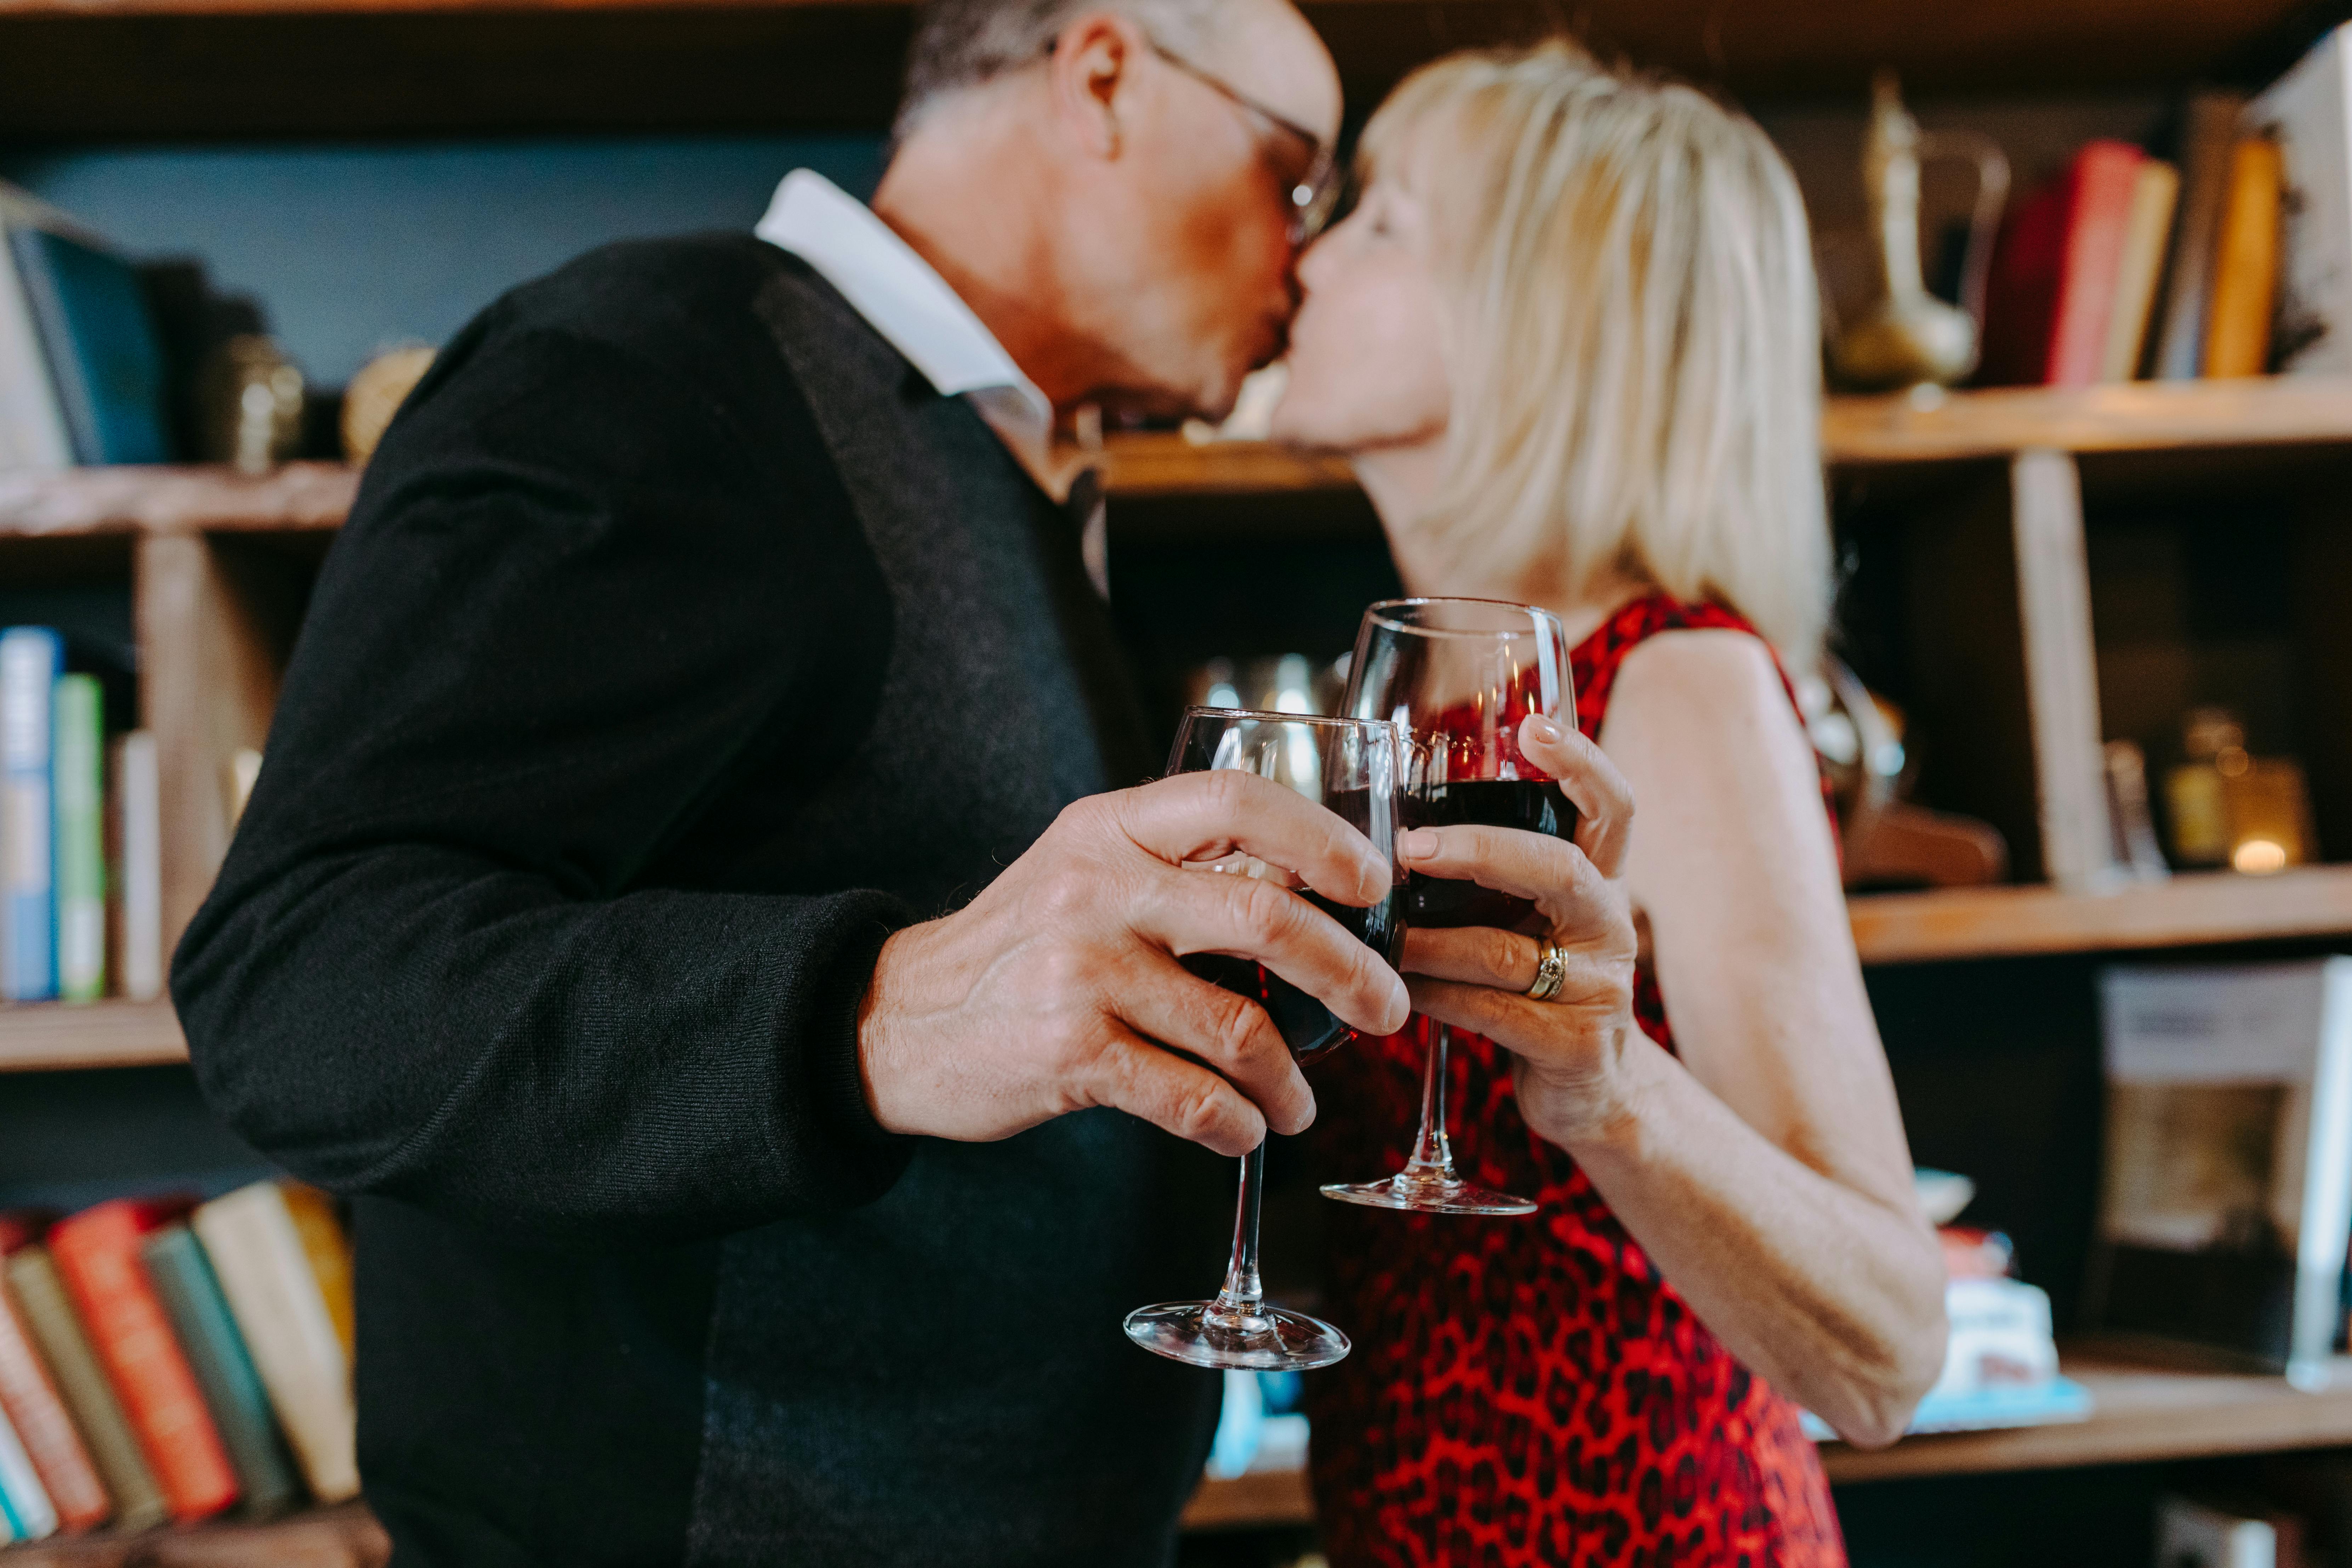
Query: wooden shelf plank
point(1261, 1498)
point(2191, 910)
point(43, 1036)
point(1153, 464)
point(2146, 415)
point(2141, 1412)
point(298, 497)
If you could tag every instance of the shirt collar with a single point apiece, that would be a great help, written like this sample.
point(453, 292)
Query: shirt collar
point(902, 298)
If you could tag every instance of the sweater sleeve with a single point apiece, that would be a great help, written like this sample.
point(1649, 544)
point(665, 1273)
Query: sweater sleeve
point(573, 605)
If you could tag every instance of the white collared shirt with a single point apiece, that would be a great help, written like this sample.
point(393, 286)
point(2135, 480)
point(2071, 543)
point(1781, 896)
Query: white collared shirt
point(902, 298)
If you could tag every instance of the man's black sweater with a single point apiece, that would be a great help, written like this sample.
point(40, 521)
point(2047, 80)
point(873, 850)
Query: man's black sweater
point(683, 643)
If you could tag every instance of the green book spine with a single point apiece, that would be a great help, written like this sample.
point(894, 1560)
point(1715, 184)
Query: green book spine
point(89, 1398)
point(185, 1283)
point(78, 716)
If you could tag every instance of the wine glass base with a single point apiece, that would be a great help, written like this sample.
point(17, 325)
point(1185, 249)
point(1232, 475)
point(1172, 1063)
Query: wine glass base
point(1423, 1194)
point(1266, 1340)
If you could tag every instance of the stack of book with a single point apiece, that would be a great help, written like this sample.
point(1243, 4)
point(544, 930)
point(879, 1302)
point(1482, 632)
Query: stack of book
point(2235, 262)
point(71, 930)
point(83, 371)
point(162, 1359)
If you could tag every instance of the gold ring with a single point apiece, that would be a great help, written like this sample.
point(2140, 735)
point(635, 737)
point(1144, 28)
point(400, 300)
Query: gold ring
point(1551, 972)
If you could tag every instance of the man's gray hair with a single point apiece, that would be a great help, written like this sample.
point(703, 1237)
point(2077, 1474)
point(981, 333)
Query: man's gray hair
point(961, 44)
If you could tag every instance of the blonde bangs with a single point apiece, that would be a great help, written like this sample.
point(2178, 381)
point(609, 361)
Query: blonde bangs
point(1635, 338)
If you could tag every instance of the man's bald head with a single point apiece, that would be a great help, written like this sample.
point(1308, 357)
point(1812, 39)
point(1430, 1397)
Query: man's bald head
point(960, 44)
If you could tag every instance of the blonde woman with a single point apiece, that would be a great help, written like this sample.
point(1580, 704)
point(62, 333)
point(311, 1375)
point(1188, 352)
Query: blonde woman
point(1567, 337)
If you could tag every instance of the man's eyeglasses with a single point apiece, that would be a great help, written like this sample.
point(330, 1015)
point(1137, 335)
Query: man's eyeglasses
point(1316, 192)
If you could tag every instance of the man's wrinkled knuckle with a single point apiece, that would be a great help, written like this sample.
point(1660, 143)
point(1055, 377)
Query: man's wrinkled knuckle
point(1201, 1114)
point(1236, 1027)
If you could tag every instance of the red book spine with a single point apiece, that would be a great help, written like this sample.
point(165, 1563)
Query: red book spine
point(97, 1251)
point(2104, 175)
point(2054, 270)
point(39, 1417)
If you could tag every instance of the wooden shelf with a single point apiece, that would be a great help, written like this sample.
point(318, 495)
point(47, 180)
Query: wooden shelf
point(2138, 416)
point(2146, 417)
point(2199, 910)
point(117, 68)
point(345, 1535)
point(298, 497)
point(1264, 1499)
point(2141, 1412)
point(47, 1036)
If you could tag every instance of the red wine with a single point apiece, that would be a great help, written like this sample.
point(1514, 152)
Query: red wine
point(1535, 806)
point(1307, 1026)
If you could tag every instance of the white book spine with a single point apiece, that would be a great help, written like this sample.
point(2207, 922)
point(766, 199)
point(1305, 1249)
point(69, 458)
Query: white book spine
point(265, 1275)
point(28, 1502)
point(142, 838)
point(2310, 111)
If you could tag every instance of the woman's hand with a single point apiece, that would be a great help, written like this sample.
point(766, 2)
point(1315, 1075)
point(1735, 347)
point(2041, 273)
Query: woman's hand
point(1576, 1059)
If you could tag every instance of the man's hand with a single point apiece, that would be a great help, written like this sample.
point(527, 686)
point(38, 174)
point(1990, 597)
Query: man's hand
point(1058, 987)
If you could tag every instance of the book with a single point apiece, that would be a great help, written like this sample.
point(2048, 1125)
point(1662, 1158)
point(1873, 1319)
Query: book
point(2227, 1195)
point(99, 340)
point(31, 1403)
point(328, 1252)
point(30, 659)
point(2246, 263)
point(25, 1513)
point(77, 791)
point(33, 432)
point(98, 1252)
point(2054, 272)
point(264, 1271)
point(2146, 229)
point(139, 831)
point(2207, 138)
point(2308, 111)
point(2193, 1532)
point(222, 1364)
point(81, 1381)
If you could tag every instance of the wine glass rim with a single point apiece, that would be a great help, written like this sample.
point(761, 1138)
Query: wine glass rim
point(1327, 720)
point(1375, 613)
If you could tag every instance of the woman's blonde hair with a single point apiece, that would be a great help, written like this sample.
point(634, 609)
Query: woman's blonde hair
point(1634, 336)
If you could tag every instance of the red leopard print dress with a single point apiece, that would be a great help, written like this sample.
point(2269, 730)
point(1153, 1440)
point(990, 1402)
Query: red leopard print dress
point(1530, 1390)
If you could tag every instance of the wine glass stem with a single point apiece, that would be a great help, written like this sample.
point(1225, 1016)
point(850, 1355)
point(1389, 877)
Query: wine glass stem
point(1243, 1294)
point(1433, 1157)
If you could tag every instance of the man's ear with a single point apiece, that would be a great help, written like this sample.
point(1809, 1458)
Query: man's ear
point(1091, 70)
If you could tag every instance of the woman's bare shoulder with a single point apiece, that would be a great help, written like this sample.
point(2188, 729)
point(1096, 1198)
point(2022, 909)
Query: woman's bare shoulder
point(1699, 680)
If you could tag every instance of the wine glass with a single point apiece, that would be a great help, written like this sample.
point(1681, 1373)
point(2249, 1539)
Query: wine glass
point(1455, 677)
point(1350, 768)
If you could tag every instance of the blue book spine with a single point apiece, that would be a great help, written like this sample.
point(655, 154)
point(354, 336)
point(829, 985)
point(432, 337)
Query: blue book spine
point(30, 661)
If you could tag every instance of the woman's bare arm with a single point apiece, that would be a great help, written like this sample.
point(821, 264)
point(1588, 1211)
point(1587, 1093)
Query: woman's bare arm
point(1765, 1172)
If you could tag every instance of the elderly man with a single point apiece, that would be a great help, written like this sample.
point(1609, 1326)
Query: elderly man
point(698, 904)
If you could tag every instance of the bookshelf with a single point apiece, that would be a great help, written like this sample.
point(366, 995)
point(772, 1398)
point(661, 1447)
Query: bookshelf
point(1991, 488)
point(2143, 1413)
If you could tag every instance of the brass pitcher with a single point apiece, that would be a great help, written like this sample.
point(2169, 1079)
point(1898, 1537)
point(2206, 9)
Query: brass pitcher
point(1909, 336)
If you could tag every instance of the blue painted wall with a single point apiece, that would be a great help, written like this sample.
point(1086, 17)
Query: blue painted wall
point(350, 249)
